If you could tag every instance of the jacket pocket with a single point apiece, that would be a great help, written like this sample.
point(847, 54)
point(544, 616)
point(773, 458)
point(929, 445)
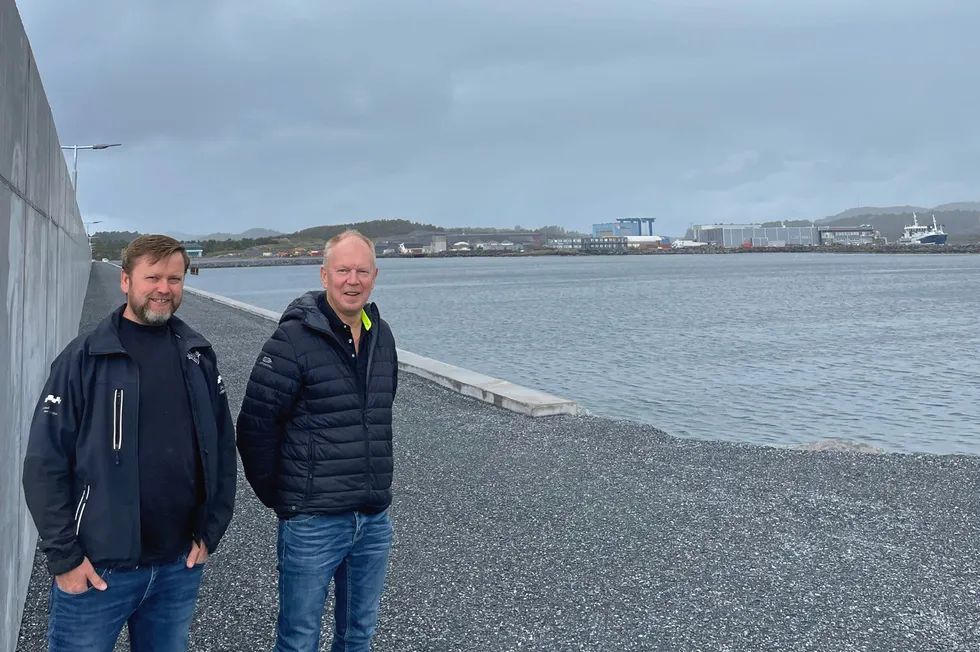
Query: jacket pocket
point(309, 468)
point(118, 397)
point(80, 510)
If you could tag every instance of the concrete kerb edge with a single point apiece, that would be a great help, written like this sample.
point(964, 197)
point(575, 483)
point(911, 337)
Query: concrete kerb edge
point(501, 393)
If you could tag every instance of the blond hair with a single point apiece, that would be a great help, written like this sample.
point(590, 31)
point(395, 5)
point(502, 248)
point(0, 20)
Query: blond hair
point(340, 237)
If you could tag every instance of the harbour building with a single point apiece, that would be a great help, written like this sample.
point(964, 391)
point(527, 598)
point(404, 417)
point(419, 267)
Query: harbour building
point(605, 243)
point(848, 235)
point(756, 235)
point(624, 227)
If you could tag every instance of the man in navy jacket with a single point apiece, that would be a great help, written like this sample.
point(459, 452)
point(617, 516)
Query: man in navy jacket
point(131, 468)
point(314, 435)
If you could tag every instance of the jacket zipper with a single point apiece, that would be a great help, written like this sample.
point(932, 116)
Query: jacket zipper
point(80, 510)
point(364, 402)
point(367, 372)
point(117, 423)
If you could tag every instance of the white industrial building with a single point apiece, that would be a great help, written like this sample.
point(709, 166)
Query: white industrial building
point(756, 235)
point(850, 236)
point(643, 241)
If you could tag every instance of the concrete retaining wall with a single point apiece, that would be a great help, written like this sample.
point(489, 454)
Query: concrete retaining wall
point(44, 268)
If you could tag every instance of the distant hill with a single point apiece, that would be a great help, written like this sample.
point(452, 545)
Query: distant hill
point(251, 234)
point(962, 225)
point(875, 210)
point(109, 244)
point(115, 236)
point(902, 210)
point(959, 206)
point(961, 220)
point(374, 229)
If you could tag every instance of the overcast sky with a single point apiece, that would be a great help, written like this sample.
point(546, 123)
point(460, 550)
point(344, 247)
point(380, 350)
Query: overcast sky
point(236, 113)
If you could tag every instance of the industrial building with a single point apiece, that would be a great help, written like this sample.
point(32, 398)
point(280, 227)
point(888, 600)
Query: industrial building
point(194, 250)
point(756, 235)
point(523, 239)
point(608, 243)
point(627, 226)
point(852, 236)
point(565, 243)
point(427, 243)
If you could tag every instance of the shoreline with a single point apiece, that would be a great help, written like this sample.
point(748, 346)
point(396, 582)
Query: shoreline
point(236, 261)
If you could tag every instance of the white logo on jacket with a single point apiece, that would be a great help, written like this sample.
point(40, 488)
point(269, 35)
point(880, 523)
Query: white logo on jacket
point(195, 357)
point(54, 402)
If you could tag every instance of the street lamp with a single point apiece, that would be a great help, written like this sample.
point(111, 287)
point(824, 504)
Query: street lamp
point(75, 148)
point(87, 234)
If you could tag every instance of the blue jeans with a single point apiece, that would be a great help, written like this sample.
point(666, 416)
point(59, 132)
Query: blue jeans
point(352, 550)
point(156, 601)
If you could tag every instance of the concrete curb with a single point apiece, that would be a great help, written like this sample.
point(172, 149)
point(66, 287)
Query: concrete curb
point(501, 393)
point(271, 315)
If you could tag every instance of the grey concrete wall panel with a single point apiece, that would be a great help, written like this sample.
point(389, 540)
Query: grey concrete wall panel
point(39, 132)
point(13, 96)
point(44, 269)
point(12, 528)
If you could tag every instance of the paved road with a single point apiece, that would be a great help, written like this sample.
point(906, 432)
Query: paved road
point(591, 534)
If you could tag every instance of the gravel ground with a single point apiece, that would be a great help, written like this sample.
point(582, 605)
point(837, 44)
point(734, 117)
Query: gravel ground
point(590, 534)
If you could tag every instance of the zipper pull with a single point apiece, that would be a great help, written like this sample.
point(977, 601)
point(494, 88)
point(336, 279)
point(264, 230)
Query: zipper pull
point(117, 458)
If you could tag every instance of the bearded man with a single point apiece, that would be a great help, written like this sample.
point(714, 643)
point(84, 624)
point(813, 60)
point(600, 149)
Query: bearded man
point(130, 468)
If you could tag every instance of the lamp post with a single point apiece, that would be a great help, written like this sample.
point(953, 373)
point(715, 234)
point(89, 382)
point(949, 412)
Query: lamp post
point(87, 234)
point(74, 169)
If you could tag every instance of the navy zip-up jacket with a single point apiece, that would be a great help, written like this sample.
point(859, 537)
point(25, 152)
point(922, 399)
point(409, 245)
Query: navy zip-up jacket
point(311, 440)
point(81, 471)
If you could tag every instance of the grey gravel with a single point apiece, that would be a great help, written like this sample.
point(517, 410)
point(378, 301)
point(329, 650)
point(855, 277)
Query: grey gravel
point(580, 533)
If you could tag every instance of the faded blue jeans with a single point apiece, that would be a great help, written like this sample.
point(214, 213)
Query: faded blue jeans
point(157, 601)
point(352, 550)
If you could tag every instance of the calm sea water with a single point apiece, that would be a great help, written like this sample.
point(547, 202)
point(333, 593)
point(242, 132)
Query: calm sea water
point(770, 348)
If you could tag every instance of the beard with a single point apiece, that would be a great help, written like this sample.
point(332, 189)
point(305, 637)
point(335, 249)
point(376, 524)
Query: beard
point(152, 317)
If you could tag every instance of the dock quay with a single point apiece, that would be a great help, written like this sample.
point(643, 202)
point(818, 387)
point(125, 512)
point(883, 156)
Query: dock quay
point(573, 532)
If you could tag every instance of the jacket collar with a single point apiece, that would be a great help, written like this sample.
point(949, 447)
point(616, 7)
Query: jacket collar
point(105, 338)
point(311, 310)
point(334, 320)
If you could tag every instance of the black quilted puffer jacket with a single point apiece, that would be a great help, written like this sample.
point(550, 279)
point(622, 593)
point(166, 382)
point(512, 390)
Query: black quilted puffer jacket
point(309, 440)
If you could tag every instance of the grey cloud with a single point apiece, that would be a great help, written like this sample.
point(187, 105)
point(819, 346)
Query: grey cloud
point(504, 112)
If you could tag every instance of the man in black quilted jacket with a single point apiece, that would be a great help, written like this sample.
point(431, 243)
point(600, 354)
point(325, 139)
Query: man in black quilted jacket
point(314, 435)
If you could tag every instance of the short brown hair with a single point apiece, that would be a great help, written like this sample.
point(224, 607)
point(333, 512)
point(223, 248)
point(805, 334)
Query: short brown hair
point(349, 233)
point(154, 248)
